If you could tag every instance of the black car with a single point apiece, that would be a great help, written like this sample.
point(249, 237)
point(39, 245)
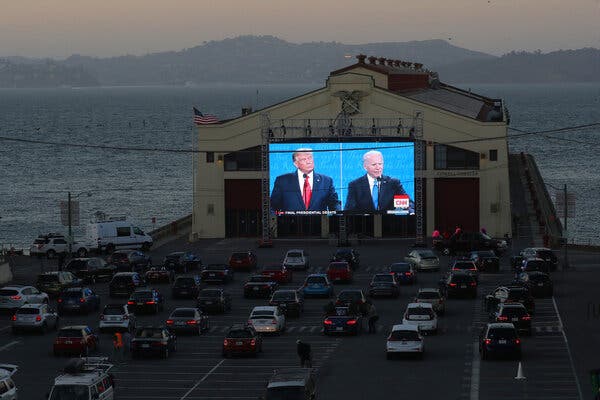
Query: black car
point(532, 264)
point(509, 294)
point(182, 261)
point(91, 269)
point(153, 341)
point(217, 273)
point(260, 286)
point(290, 301)
point(146, 300)
point(130, 260)
point(485, 260)
point(543, 253)
point(539, 283)
point(464, 242)
point(214, 300)
point(404, 272)
point(515, 313)
point(186, 287)
point(499, 339)
point(351, 256)
point(124, 283)
point(384, 285)
point(343, 321)
point(350, 297)
point(78, 299)
point(188, 319)
point(459, 284)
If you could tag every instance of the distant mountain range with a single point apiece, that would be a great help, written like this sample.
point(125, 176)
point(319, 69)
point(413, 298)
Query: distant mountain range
point(267, 59)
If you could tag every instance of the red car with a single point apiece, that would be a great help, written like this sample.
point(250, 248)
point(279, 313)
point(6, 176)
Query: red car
point(242, 260)
point(76, 340)
point(339, 271)
point(279, 273)
point(242, 339)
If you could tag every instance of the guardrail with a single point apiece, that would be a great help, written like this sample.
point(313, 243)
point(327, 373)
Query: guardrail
point(173, 229)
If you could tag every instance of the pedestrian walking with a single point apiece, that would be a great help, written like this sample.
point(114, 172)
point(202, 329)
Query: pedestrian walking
point(126, 344)
point(117, 354)
point(304, 352)
point(373, 318)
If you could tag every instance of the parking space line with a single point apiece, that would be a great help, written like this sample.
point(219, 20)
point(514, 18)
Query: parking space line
point(568, 349)
point(6, 346)
point(203, 379)
point(475, 372)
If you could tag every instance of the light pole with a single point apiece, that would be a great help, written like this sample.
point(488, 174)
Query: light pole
point(69, 219)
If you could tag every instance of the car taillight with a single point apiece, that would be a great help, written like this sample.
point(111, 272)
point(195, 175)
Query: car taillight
point(487, 341)
point(225, 342)
point(265, 286)
point(192, 322)
point(151, 302)
point(125, 317)
point(274, 322)
point(59, 300)
point(14, 317)
point(338, 302)
point(38, 318)
point(452, 285)
point(502, 318)
point(82, 300)
point(169, 322)
point(17, 297)
point(249, 322)
point(526, 317)
point(328, 322)
point(351, 322)
point(130, 302)
point(473, 284)
point(517, 341)
point(408, 273)
point(161, 343)
point(101, 317)
point(253, 342)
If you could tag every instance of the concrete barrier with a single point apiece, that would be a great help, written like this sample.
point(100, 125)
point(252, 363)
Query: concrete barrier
point(5, 273)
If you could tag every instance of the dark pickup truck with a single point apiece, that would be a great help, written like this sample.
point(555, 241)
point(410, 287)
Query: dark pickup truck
point(466, 242)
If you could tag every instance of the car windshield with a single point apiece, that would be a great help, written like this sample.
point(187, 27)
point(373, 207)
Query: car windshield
point(122, 279)
point(400, 267)
point(184, 313)
point(76, 265)
point(217, 267)
point(28, 311)
point(73, 333)
point(535, 265)
point(284, 296)
point(488, 253)
point(338, 266)
point(8, 292)
point(419, 313)
point(383, 278)
point(294, 254)
point(539, 278)
point(239, 334)
point(70, 392)
point(463, 265)
point(545, 254)
point(114, 310)
point(502, 333)
point(141, 295)
point(316, 280)
point(71, 293)
point(211, 294)
point(427, 254)
point(39, 241)
point(514, 311)
point(118, 256)
point(239, 256)
point(463, 278)
point(428, 295)
point(185, 281)
point(286, 393)
point(517, 294)
point(259, 278)
point(270, 268)
point(149, 333)
point(349, 296)
point(262, 314)
point(404, 335)
point(48, 278)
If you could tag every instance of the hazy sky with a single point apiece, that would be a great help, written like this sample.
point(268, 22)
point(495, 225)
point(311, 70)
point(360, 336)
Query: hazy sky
point(59, 28)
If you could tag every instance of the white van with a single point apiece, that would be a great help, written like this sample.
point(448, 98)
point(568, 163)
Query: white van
point(118, 233)
point(85, 379)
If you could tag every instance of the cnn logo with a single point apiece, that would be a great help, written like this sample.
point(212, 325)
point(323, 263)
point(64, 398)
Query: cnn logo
point(401, 201)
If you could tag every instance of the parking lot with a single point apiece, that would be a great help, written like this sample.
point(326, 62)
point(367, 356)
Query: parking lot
point(347, 367)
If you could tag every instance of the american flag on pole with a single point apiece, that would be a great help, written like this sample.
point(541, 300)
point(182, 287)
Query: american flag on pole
point(204, 119)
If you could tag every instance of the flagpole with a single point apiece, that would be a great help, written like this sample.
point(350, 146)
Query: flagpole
point(193, 177)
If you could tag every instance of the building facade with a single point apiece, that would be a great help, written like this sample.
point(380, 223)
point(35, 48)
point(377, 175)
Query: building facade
point(464, 180)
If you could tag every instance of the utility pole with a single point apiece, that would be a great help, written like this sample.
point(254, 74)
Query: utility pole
point(70, 223)
point(565, 231)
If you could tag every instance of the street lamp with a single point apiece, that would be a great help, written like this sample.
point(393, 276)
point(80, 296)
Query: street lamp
point(69, 218)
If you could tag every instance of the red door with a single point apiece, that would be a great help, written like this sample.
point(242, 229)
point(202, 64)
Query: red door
point(456, 203)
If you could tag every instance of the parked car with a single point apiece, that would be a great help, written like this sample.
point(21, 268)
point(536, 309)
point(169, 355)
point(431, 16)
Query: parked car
point(89, 270)
point(539, 283)
point(404, 272)
point(459, 284)
point(54, 282)
point(217, 273)
point(343, 321)
point(499, 339)
point(292, 383)
point(384, 285)
point(243, 260)
point(404, 339)
point(290, 301)
point(125, 283)
point(150, 340)
point(117, 317)
point(296, 259)
point(78, 299)
point(509, 294)
point(279, 272)
point(182, 261)
point(340, 271)
point(78, 340)
point(260, 286)
point(188, 319)
point(214, 300)
point(38, 317)
point(130, 260)
point(423, 260)
point(533, 264)
point(466, 265)
point(186, 287)
point(543, 253)
point(515, 313)
point(351, 256)
point(267, 319)
point(242, 340)
point(465, 242)
point(16, 296)
point(158, 275)
point(422, 316)
point(51, 244)
point(485, 260)
point(317, 285)
point(146, 300)
point(432, 296)
point(353, 296)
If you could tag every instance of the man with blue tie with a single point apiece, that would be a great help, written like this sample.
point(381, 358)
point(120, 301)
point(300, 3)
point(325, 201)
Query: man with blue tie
point(304, 190)
point(373, 191)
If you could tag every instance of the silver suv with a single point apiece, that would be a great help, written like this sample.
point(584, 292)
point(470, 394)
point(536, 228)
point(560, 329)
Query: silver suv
point(116, 317)
point(13, 297)
point(53, 243)
point(34, 317)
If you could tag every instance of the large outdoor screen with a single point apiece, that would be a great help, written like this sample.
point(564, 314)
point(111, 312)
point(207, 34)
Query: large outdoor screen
point(353, 177)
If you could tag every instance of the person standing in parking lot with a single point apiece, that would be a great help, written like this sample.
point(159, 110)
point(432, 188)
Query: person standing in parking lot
point(126, 344)
point(373, 318)
point(117, 355)
point(304, 352)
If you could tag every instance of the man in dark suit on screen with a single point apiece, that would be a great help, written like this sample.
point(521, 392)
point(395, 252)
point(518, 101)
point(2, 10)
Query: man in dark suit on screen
point(374, 191)
point(304, 190)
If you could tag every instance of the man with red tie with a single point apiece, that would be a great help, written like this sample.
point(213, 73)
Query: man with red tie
point(304, 190)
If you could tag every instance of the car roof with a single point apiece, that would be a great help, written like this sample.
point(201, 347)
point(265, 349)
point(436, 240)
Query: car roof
point(115, 305)
point(352, 291)
point(512, 305)
point(500, 325)
point(419, 305)
point(193, 309)
point(125, 274)
point(16, 287)
point(30, 305)
point(296, 250)
point(289, 377)
point(286, 291)
point(74, 327)
point(405, 327)
point(48, 273)
point(264, 308)
point(317, 275)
